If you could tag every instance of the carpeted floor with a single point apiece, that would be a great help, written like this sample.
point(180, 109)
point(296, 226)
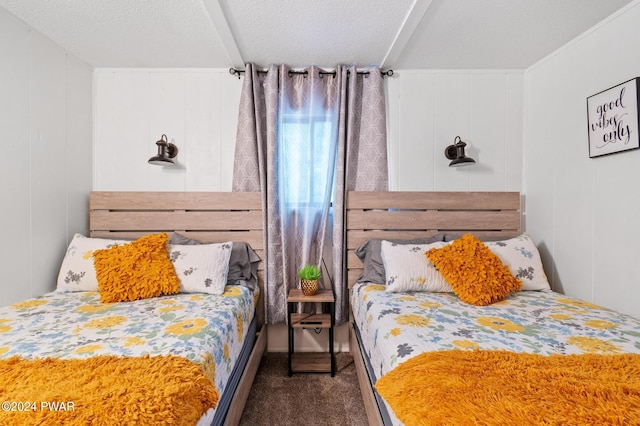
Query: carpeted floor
point(304, 398)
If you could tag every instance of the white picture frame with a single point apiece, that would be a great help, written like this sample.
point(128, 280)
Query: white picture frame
point(612, 117)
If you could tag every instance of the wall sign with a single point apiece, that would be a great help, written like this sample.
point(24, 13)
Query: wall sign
point(613, 119)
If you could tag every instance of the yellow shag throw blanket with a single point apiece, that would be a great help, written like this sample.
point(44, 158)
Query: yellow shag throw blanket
point(104, 390)
point(505, 388)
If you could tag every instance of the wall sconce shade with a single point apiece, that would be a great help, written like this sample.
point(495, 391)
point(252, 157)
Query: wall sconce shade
point(166, 151)
point(455, 153)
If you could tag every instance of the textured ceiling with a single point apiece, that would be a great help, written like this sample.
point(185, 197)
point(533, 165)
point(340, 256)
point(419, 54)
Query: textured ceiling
point(499, 33)
point(405, 34)
point(324, 33)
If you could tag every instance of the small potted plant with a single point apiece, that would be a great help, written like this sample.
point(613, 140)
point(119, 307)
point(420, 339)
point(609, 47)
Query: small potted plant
point(309, 275)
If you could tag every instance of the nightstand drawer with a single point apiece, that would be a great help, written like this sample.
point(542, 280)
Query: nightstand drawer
point(310, 320)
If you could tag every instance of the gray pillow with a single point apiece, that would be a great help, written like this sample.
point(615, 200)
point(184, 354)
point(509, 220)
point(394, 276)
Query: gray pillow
point(243, 262)
point(369, 254)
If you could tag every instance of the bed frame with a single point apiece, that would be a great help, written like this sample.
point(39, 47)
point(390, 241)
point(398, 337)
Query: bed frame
point(205, 216)
point(404, 215)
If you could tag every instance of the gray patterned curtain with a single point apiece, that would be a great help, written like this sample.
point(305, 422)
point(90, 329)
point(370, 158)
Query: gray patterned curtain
point(295, 234)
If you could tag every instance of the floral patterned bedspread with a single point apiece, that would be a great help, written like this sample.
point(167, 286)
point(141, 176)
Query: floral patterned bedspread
point(398, 326)
point(204, 328)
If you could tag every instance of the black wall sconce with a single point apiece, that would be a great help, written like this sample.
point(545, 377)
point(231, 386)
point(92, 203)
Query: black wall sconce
point(166, 151)
point(455, 153)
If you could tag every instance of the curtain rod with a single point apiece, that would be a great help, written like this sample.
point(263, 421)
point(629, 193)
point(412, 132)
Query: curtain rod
point(387, 73)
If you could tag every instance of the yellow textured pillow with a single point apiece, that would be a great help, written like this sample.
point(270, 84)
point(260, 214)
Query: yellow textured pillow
point(474, 272)
point(140, 269)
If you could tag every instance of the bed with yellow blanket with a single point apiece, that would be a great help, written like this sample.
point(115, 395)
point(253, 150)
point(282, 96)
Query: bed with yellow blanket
point(499, 364)
point(454, 323)
point(147, 325)
point(122, 361)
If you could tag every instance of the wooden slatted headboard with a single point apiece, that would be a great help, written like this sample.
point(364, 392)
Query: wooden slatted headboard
point(205, 216)
point(403, 215)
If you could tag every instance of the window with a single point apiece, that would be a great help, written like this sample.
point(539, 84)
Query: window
point(307, 155)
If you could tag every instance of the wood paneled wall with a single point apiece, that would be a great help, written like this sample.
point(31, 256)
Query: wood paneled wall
point(583, 212)
point(45, 125)
point(196, 109)
point(428, 109)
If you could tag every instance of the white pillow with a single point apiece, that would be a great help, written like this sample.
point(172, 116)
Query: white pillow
point(408, 269)
point(202, 268)
point(521, 255)
point(76, 271)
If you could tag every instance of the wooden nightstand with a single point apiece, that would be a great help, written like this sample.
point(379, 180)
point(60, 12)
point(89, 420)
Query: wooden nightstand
point(311, 362)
